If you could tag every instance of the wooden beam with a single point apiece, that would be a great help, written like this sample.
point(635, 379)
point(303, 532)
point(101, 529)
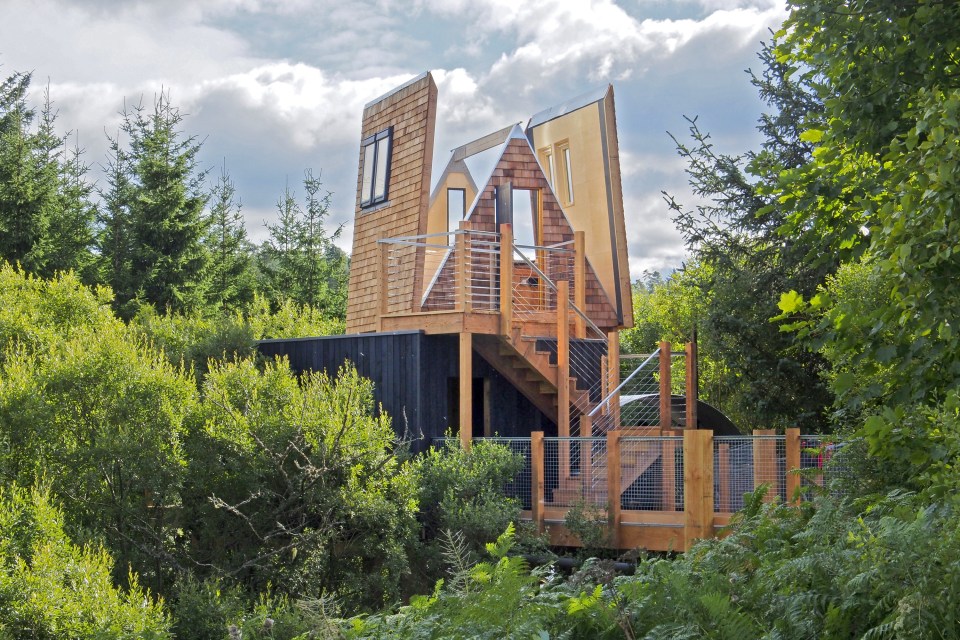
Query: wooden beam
point(466, 389)
point(579, 281)
point(506, 279)
point(613, 364)
point(692, 393)
point(665, 386)
point(563, 375)
point(668, 464)
point(793, 466)
point(586, 450)
point(765, 462)
point(697, 486)
point(613, 485)
point(463, 268)
point(536, 480)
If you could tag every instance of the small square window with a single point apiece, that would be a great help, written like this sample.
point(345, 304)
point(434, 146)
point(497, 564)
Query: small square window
point(375, 151)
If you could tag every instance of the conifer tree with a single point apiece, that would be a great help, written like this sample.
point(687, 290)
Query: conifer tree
point(231, 272)
point(159, 190)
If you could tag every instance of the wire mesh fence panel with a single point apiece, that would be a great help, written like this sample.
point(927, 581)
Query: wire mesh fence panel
point(519, 486)
point(741, 464)
point(821, 464)
point(651, 473)
point(575, 471)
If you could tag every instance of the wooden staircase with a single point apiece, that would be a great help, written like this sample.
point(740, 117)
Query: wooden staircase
point(518, 359)
point(592, 484)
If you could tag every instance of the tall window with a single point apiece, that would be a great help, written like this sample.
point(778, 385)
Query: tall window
point(456, 209)
point(376, 168)
point(546, 159)
point(526, 217)
point(568, 171)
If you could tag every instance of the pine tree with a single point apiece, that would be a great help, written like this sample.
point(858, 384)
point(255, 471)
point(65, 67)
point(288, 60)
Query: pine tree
point(161, 194)
point(231, 272)
point(299, 261)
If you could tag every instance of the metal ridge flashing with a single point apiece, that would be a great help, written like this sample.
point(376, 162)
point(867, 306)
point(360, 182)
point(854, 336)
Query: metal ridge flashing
point(577, 102)
point(396, 90)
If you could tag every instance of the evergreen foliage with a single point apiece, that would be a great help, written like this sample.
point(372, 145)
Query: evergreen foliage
point(155, 223)
point(231, 270)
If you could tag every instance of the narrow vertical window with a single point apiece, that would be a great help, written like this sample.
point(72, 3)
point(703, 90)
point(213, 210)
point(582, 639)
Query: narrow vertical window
point(376, 168)
point(526, 217)
point(456, 208)
point(568, 169)
point(546, 161)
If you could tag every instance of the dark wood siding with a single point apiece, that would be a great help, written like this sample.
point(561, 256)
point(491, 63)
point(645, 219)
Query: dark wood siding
point(411, 373)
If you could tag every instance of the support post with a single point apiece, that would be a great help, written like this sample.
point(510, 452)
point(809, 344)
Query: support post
point(383, 283)
point(506, 280)
point(604, 383)
point(536, 480)
point(613, 364)
point(668, 459)
point(793, 466)
point(665, 386)
point(466, 390)
point(697, 485)
point(579, 281)
point(463, 269)
point(765, 462)
point(613, 486)
point(586, 449)
point(563, 375)
point(692, 393)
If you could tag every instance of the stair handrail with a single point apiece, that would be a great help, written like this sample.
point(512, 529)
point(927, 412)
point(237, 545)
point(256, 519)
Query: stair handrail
point(553, 285)
point(612, 394)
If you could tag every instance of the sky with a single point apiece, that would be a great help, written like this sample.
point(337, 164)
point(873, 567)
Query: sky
point(274, 87)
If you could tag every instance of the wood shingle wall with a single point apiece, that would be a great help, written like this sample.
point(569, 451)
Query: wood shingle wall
point(411, 111)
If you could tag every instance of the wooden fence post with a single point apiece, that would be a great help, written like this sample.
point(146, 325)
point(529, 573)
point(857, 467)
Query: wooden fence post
point(563, 375)
point(692, 393)
point(665, 386)
point(613, 368)
point(536, 480)
point(668, 464)
point(463, 269)
point(613, 486)
point(793, 466)
point(586, 448)
point(506, 280)
point(765, 462)
point(579, 281)
point(697, 485)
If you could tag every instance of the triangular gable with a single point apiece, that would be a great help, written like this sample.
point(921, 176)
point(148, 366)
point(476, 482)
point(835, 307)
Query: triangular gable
point(519, 167)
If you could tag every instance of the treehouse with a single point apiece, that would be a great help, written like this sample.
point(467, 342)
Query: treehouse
point(490, 305)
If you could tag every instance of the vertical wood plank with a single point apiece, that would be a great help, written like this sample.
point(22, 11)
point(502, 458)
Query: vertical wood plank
point(463, 268)
point(692, 393)
point(536, 480)
point(668, 464)
point(697, 485)
point(604, 383)
point(579, 280)
point(793, 466)
point(563, 375)
point(506, 280)
point(665, 386)
point(613, 362)
point(613, 485)
point(383, 283)
point(466, 390)
point(586, 449)
point(765, 462)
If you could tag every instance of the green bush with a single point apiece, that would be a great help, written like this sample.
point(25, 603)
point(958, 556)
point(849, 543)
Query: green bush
point(50, 588)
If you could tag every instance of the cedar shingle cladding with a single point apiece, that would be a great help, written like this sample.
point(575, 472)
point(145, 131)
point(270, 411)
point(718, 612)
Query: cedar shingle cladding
point(519, 167)
point(411, 111)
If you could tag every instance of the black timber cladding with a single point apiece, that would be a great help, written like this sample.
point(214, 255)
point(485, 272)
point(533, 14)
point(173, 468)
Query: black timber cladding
point(413, 374)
